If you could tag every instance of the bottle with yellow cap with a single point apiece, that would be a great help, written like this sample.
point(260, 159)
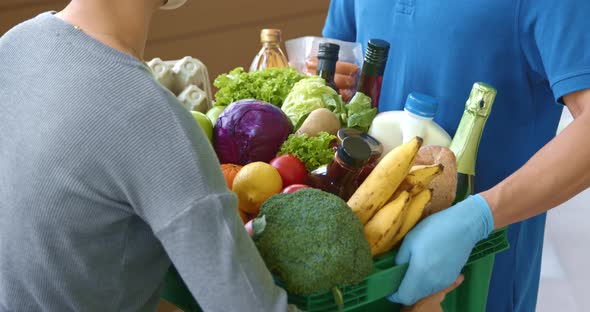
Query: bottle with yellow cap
point(271, 54)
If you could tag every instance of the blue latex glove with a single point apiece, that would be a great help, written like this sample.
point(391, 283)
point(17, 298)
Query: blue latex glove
point(439, 246)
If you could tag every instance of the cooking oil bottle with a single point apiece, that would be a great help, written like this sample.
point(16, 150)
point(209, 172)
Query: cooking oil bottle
point(271, 54)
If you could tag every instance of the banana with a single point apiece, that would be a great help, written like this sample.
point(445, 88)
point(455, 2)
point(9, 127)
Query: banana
point(420, 177)
point(389, 173)
point(381, 229)
point(412, 216)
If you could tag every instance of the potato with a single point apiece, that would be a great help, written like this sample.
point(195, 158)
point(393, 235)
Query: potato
point(320, 120)
point(445, 185)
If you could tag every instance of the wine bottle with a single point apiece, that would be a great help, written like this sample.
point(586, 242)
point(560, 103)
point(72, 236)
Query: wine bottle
point(374, 63)
point(327, 58)
point(465, 143)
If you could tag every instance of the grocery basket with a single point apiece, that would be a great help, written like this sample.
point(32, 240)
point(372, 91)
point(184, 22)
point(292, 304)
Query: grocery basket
point(385, 279)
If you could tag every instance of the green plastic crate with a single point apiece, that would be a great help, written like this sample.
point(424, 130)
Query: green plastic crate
point(472, 295)
point(369, 295)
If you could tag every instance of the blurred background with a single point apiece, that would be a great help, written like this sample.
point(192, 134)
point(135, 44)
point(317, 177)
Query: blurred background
point(225, 34)
point(564, 271)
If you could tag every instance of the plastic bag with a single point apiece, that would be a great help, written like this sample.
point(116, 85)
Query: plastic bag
point(302, 53)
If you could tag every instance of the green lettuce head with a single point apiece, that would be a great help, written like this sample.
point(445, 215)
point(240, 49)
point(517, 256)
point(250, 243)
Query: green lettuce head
point(308, 95)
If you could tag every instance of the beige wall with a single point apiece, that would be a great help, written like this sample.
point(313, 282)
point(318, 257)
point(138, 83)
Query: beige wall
point(222, 33)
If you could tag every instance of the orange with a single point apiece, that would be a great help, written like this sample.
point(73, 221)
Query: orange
point(229, 173)
point(254, 184)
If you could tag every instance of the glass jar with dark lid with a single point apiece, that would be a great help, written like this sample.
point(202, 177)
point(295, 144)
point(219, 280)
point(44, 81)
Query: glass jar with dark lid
point(374, 144)
point(340, 175)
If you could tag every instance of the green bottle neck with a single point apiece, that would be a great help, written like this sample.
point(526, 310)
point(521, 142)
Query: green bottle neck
point(466, 141)
point(465, 144)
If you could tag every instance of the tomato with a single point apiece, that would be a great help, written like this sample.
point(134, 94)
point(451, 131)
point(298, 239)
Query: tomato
point(291, 169)
point(293, 188)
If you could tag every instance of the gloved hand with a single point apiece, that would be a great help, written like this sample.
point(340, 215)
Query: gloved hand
point(439, 246)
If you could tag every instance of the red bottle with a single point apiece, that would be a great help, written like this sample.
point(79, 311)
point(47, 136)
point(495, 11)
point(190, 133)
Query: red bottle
point(373, 68)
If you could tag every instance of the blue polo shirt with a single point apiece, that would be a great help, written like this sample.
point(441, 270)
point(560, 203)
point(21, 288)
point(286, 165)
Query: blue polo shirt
point(533, 52)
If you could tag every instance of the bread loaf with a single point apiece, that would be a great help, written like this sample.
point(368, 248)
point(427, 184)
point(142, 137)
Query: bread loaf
point(445, 185)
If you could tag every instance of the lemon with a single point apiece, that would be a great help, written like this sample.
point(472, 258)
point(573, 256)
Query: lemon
point(254, 184)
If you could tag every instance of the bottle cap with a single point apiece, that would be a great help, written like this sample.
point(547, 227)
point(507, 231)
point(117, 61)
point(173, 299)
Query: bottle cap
point(328, 50)
point(375, 57)
point(270, 35)
point(421, 105)
point(354, 151)
point(377, 51)
point(374, 144)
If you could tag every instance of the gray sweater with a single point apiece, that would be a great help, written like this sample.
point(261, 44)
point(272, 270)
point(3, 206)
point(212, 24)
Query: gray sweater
point(104, 180)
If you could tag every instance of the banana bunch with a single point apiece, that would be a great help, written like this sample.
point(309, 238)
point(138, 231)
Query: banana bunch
point(392, 199)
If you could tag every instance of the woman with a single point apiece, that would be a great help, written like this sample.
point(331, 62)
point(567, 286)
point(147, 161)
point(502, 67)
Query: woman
point(106, 178)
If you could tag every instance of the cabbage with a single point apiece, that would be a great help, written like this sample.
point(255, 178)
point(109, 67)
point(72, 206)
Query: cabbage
point(249, 131)
point(308, 95)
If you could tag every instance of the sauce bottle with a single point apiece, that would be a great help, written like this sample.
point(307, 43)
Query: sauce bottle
point(340, 175)
point(374, 144)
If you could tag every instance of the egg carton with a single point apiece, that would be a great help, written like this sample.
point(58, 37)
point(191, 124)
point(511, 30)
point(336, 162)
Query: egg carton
point(188, 79)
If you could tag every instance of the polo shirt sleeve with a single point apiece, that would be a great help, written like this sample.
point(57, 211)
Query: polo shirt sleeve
point(555, 40)
point(340, 22)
